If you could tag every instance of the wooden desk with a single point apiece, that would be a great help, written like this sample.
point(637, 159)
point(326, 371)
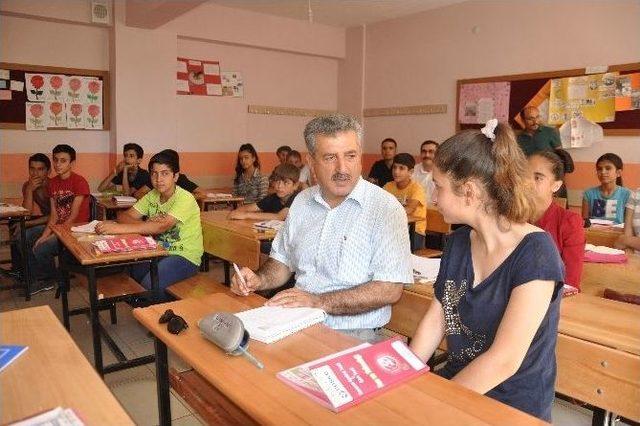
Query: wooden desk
point(264, 399)
point(602, 235)
point(52, 372)
point(598, 353)
point(110, 208)
point(21, 217)
point(89, 261)
point(232, 240)
point(622, 277)
point(204, 201)
point(598, 347)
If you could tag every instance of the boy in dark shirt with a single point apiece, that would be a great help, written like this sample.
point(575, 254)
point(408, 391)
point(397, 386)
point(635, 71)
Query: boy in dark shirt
point(135, 180)
point(285, 180)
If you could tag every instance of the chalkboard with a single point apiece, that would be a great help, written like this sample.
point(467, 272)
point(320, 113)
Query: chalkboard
point(12, 112)
point(525, 86)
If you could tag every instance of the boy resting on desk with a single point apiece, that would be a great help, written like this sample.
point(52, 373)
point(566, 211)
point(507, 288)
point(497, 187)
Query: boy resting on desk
point(173, 219)
point(275, 206)
point(69, 204)
point(135, 180)
point(410, 194)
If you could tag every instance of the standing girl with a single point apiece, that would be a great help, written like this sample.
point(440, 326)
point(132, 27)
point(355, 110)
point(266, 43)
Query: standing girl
point(497, 293)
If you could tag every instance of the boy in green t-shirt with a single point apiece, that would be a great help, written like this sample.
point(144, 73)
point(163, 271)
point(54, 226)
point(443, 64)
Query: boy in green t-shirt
point(173, 219)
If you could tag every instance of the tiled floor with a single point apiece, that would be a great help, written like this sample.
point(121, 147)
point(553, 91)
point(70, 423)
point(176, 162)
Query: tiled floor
point(136, 388)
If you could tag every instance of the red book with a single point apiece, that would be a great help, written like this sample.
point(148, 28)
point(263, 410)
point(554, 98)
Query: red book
point(126, 244)
point(346, 378)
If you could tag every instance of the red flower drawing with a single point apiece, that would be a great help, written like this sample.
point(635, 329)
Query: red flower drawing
point(56, 81)
point(94, 110)
point(56, 108)
point(37, 81)
point(75, 84)
point(94, 86)
point(76, 109)
point(36, 110)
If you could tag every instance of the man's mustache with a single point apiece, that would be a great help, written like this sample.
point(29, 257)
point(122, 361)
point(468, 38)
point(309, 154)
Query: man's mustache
point(340, 177)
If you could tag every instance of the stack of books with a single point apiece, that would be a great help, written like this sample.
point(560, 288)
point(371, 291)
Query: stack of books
point(124, 199)
point(125, 244)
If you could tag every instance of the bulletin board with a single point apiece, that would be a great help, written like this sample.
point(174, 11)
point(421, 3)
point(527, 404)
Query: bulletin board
point(13, 111)
point(523, 87)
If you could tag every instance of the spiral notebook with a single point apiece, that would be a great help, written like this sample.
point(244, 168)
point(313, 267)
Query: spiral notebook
point(269, 324)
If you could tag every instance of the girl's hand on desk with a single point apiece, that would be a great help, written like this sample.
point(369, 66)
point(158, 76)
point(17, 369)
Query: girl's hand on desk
point(249, 282)
point(295, 298)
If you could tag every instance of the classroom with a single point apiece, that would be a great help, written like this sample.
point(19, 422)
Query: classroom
point(317, 154)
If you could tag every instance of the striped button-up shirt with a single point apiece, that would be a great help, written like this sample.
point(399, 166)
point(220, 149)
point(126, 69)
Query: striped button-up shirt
point(363, 239)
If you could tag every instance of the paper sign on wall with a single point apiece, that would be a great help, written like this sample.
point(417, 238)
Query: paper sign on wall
point(197, 77)
point(35, 117)
point(480, 102)
point(232, 84)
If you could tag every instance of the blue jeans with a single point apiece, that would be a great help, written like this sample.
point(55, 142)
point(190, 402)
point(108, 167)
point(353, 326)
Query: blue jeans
point(171, 269)
point(42, 259)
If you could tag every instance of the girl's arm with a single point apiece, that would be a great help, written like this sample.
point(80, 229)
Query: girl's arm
point(429, 333)
point(525, 311)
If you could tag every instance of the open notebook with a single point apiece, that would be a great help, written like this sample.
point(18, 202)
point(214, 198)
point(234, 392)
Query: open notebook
point(269, 324)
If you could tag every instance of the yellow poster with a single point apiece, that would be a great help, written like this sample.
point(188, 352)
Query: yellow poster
point(588, 96)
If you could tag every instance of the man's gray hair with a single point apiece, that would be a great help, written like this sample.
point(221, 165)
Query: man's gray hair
point(331, 125)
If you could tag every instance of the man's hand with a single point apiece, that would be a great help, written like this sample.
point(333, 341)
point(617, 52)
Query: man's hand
point(235, 214)
point(106, 227)
point(34, 183)
point(252, 282)
point(295, 298)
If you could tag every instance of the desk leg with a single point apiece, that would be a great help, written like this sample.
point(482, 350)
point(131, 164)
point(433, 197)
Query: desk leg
point(601, 417)
point(64, 287)
point(162, 382)
point(25, 259)
point(227, 272)
point(94, 315)
point(155, 283)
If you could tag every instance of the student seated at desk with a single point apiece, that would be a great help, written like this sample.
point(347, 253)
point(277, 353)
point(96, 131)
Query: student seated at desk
point(35, 198)
point(380, 172)
point(183, 181)
point(631, 237)
point(173, 219)
point(305, 173)
point(135, 180)
point(249, 182)
point(498, 292)
point(275, 206)
point(606, 201)
point(564, 226)
point(410, 194)
point(69, 204)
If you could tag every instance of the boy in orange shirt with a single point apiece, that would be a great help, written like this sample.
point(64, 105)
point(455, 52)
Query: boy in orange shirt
point(410, 194)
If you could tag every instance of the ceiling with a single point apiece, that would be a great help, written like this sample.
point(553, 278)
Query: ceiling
point(339, 13)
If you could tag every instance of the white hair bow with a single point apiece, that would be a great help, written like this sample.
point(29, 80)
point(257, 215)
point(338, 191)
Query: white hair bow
point(489, 128)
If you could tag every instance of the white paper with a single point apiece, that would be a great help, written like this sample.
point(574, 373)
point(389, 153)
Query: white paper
point(92, 91)
point(214, 89)
point(4, 75)
point(182, 86)
point(596, 69)
point(57, 113)
point(74, 88)
point(218, 195)
point(36, 117)
point(602, 249)
point(75, 115)
point(579, 132)
point(181, 66)
point(17, 86)
point(212, 69)
point(425, 268)
point(485, 110)
point(88, 228)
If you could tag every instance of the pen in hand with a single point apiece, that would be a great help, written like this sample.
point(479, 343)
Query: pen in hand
point(243, 283)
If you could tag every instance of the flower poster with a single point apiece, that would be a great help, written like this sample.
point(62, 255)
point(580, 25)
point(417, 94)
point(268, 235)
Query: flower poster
point(75, 115)
point(36, 119)
point(74, 89)
point(480, 102)
point(93, 116)
point(57, 114)
point(35, 87)
point(92, 91)
point(55, 87)
point(232, 84)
